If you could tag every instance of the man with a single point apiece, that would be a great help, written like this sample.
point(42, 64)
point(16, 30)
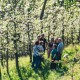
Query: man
point(44, 41)
point(50, 46)
point(38, 38)
point(60, 48)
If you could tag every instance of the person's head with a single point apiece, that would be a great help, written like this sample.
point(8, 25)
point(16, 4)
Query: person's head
point(55, 46)
point(41, 42)
point(37, 43)
point(38, 37)
point(42, 36)
point(56, 40)
point(52, 39)
point(59, 40)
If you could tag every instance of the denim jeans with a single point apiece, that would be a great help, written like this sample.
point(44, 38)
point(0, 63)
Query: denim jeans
point(36, 62)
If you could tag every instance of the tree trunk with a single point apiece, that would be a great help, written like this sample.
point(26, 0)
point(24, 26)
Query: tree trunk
point(16, 58)
point(7, 52)
point(7, 61)
point(72, 37)
point(67, 39)
point(30, 49)
point(48, 33)
point(1, 54)
point(1, 59)
point(79, 37)
point(43, 8)
point(30, 52)
point(15, 47)
point(29, 44)
point(63, 34)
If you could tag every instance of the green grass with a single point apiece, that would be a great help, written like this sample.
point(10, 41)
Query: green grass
point(63, 73)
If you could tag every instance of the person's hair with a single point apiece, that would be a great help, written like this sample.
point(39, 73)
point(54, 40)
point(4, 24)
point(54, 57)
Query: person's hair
point(36, 42)
point(38, 36)
point(60, 39)
point(41, 42)
point(52, 39)
point(55, 40)
point(55, 46)
point(42, 35)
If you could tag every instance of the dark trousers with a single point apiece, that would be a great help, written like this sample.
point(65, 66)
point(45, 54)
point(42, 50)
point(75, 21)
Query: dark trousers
point(59, 58)
point(36, 62)
point(44, 48)
point(53, 65)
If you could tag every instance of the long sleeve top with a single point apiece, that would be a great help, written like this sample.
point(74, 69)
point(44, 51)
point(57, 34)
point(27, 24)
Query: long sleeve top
point(60, 47)
point(54, 52)
point(36, 50)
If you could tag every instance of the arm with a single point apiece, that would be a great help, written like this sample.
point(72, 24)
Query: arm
point(60, 48)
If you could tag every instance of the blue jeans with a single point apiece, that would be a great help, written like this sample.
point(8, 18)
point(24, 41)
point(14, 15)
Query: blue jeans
point(36, 62)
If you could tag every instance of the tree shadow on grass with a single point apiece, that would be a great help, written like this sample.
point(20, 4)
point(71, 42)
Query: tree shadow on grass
point(61, 69)
point(26, 72)
point(44, 72)
point(9, 76)
point(19, 73)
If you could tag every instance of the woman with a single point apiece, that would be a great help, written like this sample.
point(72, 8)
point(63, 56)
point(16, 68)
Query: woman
point(54, 52)
point(36, 50)
point(50, 46)
point(53, 57)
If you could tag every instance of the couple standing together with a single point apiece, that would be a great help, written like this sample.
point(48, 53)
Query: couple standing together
point(55, 49)
point(38, 51)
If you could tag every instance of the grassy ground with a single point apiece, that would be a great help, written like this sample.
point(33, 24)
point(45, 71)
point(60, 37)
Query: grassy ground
point(70, 69)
